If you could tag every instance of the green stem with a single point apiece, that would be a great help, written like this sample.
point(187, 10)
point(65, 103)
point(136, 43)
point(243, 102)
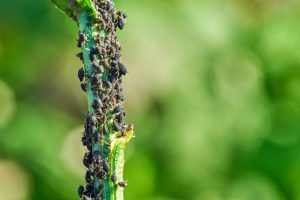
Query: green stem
point(112, 146)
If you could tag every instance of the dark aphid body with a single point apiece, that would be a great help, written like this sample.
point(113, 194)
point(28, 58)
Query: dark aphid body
point(82, 85)
point(116, 126)
point(117, 109)
point(122, 184)
point(121, 23)
point(101, 175)
point(80, 56)
point(94, 80)
point(80, 190)
point(106, 166)
point(88, 176)
point(122, 68)
point(114, 178)
point(81, 38)
point(80, 74)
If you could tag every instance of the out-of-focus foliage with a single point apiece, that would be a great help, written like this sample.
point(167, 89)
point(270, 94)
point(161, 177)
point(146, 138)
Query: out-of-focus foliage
point(213, 91)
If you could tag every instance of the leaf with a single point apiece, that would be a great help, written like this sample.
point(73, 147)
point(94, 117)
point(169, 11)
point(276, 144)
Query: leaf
point(71, 7)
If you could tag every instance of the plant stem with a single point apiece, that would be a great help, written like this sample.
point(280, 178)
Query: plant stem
point(106, 134)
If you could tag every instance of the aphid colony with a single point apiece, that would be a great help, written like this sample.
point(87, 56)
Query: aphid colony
point(103, 80)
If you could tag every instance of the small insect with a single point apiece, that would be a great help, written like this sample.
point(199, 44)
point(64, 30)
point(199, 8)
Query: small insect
point(80, 56)
point(80, 74)
point(94, 80)
point(80, 190)
point(82, 85)
point(85, 141)
point(122, 69)
point(105, 63)
point(121, 23)
point(115, 126)
point(117, 109)
point(106, 166)
point(91, 56)
point(97, 136)
point(94, 121)
point(97, 103)
point(101, 69)
point(95, 65)
point(88, 176)
point(101, 175)
point(81, 38)
point(97, 156)
point(122, 184)
point(107, 84)
point(97, 50)
point(114, 178)
point(122, 14)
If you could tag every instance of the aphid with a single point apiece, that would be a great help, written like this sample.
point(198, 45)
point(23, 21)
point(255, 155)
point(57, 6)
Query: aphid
point(80, 190)
point(94, 121)
point(82, 85)
point(97, 50)
point(97, 156)
point(122, 69)
point(81, 74)
point(80, 56)
point(92, 56)
point(101, 175)
point(81, 38)
point(101, 69)
point(94, 80)
point(107, 84)
point(98, 111)
point(88, 176)
point(87, 160)
point(118, 56)
point(122, 184)
point(121, 23)
point(115, 126)
point(122, 14)
point(106, 166)
point(121, 117)
point(117, 109)
point(95, 65)
point(97, 137)
point(85, 141)
point(114, 178)
point(97, 103)
point(105, 63)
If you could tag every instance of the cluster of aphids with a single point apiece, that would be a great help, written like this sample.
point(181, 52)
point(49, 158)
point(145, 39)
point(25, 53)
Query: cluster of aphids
point(104, 79)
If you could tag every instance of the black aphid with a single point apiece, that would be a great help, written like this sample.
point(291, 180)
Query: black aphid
point(80, 56)
point(106, 166)
point(117, 109)
point(122, 68)
point(94, 80)
point(80, 190)
point(114, 178)
point(82, 85)
point(115, 126)
point(122, 183)
point(81, 37)
point(81, 74)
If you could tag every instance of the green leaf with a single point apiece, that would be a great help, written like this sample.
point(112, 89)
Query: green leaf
point(77, 8)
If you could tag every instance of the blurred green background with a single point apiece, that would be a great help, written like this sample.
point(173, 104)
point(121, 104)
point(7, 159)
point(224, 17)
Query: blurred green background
point(213, 91)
